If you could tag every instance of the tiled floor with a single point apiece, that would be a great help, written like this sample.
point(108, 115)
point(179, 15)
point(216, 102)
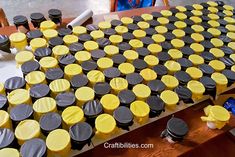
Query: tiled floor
point(72, 8)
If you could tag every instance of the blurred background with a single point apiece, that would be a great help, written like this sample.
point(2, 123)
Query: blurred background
point(72, 8)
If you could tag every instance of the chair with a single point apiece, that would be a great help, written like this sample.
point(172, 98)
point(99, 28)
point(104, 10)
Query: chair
point(3, 20)
point(113, 4)
point(166, 3)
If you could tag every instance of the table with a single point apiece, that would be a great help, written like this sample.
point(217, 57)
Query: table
point(198, 135)
point(150, 134)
